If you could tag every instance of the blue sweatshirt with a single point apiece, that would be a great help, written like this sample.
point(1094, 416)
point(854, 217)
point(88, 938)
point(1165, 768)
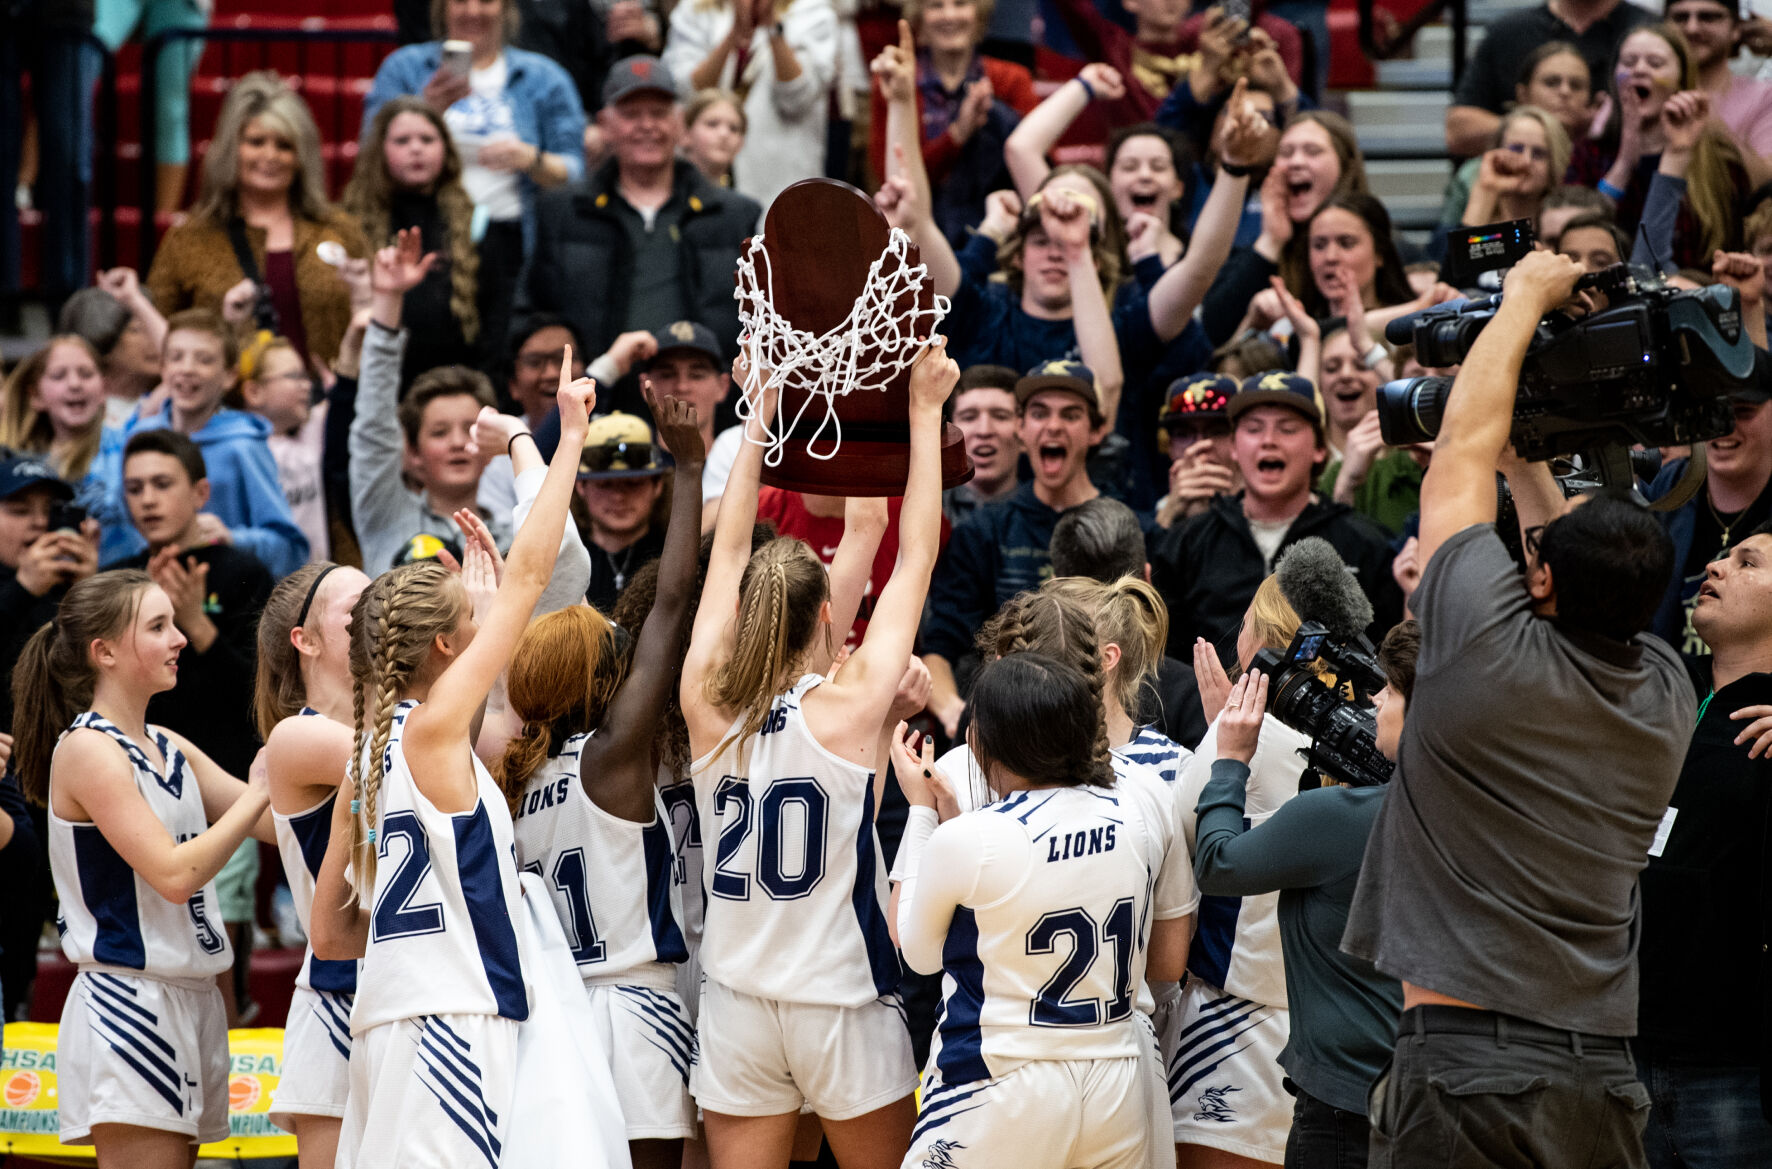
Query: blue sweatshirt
point(243, 492)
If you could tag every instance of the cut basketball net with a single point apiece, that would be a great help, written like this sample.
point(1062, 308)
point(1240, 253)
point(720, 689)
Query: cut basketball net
point(872, 346)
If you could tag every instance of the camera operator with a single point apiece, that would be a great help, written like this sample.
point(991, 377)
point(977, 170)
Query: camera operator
point(1344, 1012)
point(1500, 883)
point(1705, 900)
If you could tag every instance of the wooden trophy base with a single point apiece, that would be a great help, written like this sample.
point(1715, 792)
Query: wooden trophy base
point(864, 467)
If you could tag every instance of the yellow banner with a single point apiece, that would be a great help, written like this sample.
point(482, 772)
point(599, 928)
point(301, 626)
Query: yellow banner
point(29, 1125)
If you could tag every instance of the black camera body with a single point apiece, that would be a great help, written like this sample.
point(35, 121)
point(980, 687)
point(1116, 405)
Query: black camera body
point(1656, 367)
point(66, 517)
point(1343, 732)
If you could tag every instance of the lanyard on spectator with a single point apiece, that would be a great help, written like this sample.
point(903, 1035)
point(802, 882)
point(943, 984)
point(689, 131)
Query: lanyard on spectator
point(1705, 705)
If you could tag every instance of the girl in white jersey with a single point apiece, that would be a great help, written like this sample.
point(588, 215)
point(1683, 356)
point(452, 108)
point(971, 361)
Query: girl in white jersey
point(142, 1054)
point(1071, 620)
point(581, 777)
point(1226, 1087)
point(1035, 907)
point(303, 708)
point(422, 835)
point(800, 997)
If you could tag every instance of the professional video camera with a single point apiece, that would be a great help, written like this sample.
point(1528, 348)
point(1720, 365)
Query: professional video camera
point(1656, 366)
point(1343, 731)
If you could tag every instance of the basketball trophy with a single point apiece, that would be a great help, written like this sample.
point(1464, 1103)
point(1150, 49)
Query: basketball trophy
point(833, 302)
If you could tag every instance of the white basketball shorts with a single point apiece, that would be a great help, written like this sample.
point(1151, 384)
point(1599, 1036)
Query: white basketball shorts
point(316, 1058)
point(651, 1043)
point(1045, 1114)
point(430, 1093)
point(142, 1052)
point(1226, 1087)
point(762, 1057)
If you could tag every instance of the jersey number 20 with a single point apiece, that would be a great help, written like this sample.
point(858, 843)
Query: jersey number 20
point(1054, 1007)
point(738, 815)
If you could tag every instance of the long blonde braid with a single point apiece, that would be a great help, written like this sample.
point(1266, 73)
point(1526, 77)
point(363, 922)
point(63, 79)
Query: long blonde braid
point(393, 626)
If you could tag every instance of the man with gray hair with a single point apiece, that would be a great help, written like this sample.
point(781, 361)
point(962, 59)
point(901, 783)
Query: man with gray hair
point(1103, 540)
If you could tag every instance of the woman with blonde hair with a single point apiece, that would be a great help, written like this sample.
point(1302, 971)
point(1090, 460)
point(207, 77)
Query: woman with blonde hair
point(263, 242)
point(140, 823)
point(582, 779)
point(799, 1002)
point(782, 56)
point(420, 878)
point(303, 706)
point(1531, 153)
point(53, 405)
point(408, 174)
point(714, 129)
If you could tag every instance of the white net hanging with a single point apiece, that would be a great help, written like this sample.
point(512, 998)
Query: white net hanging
point(832, 364)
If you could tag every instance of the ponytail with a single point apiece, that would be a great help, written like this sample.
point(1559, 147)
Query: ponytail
point(54, 677)
point(564, 671)
point(778, 601)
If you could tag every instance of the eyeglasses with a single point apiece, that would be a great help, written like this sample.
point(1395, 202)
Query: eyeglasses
point(294, 375)
point(541, 360)
point(1536, 153)
point(1532, 537)
point(633, 456)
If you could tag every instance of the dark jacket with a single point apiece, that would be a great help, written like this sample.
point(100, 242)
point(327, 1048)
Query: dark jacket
point(22, 613)
point(582, 265)
point(999, 550)
point(1209, 567)
point(212, 703)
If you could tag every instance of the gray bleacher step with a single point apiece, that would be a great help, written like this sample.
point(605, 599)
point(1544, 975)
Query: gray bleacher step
point(1410, 189)
point(1401, 123)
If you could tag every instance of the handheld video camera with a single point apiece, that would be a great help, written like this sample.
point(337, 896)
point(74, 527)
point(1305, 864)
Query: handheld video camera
point(1656, 366)
point(1343, 730)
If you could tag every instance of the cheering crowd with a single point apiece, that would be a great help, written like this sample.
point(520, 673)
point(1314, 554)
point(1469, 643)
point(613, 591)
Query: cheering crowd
point(415, 534)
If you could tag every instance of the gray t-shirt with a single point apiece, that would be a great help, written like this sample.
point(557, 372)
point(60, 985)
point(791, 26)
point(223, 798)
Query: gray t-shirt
point(1535, 764)
point(655, 293)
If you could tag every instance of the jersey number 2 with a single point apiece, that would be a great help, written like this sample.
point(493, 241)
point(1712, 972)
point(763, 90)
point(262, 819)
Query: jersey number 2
point(772, 862)
point(395, 916)
point(1054, 1007)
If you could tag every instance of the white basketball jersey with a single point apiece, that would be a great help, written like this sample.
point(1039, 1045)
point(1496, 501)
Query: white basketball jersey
point(110, 916)
point(301, 842)
point(679, 802)
point(796, 891)
point(445, 908)
point(610, 879)
point(1151, 748)
point(1052, 970)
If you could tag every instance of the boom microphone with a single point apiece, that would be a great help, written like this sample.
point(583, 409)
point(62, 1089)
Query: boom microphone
point(1319, 586)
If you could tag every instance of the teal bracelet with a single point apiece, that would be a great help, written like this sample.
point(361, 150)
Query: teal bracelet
point(1607, 189)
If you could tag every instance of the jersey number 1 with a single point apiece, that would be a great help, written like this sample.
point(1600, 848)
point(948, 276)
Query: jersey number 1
point(1054, 1007)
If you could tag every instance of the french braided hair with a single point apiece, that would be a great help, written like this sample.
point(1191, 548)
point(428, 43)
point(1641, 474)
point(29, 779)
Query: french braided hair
point(393, 626)
point(779, 596)
point(1056, 625)
point(1130, 615)
point(1032, 717)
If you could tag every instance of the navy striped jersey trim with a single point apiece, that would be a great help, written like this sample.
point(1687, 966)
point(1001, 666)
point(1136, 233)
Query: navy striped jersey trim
point(661, 865)
point(334, 1013)
point(962, 1044)
point(882, 954)
point(483, 891)
point(447, 1070)
point(107, 885)
point(945, 1101)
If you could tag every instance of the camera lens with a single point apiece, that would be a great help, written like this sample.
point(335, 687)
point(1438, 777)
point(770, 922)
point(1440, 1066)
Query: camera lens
point(1409, 411)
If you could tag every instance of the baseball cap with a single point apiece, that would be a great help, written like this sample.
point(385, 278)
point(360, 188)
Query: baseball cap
point(619, 446)
point(1073, 377)
point(687, 337)
point(23, 472)
point(1200, 395)
point(1277, 387)
point(425, 546)
point(640, 74)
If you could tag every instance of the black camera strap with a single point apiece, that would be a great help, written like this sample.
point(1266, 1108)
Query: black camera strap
point(264, 310)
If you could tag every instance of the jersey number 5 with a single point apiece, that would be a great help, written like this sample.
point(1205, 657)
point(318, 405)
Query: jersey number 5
point(737, 815)
point(1054, 1007)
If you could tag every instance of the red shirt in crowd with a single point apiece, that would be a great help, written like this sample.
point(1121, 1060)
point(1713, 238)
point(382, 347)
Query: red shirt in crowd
point(787, 510)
